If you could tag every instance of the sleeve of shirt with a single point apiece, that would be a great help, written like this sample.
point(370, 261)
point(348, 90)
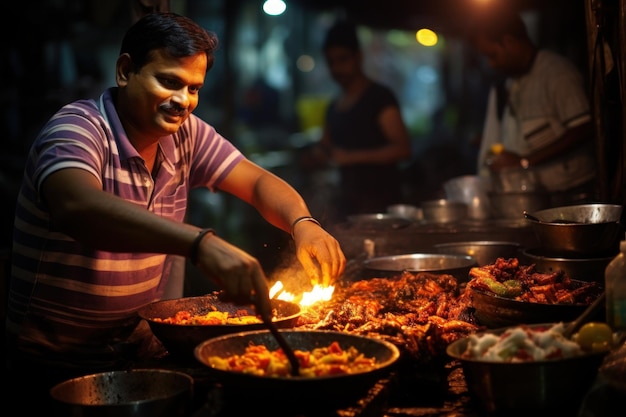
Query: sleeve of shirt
point(212, 157)
point(72, 138)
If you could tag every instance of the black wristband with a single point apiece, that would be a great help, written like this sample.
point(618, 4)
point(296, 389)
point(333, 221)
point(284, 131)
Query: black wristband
point(193, 255)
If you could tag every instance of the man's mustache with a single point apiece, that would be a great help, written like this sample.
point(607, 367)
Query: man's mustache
point(174, 109)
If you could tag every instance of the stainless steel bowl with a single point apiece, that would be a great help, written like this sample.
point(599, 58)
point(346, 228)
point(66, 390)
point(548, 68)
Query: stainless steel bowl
point(132, 393)
point(583, 268)
point(378, 221)
point(485, 252)
point(512, 204)
point(444, 211)
point(389, 266)
point(583, 230)
point(553, 387)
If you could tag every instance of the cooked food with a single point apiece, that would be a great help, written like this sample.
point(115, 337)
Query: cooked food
point(319, 362)
point(507, 278)
point(420, 312)
point(523, 344)
point(185, 317)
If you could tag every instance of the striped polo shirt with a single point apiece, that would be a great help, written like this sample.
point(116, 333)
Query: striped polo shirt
point(66, 299)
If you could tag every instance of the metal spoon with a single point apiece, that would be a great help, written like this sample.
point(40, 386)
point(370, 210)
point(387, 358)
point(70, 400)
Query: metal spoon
point(531, 217)
point(266, 315)
point(291, 356)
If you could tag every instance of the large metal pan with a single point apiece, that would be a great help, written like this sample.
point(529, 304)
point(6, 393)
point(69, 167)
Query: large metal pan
point(494, 311)
point(132, 393)
point(298, 393)
point(456, 265)
point(181, 340)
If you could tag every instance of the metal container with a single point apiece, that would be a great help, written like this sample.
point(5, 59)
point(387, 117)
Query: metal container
point(309, 395)
point(132, 393)
point(511, 205)
point(389, 266)
point(181, 339)
point(406, 211)
point(378, 221)
point(444, 211)
point(582, 230)
point(583, 269)
point(549, 387)
point(471, 190)
point(485, 252)
point(494, 311)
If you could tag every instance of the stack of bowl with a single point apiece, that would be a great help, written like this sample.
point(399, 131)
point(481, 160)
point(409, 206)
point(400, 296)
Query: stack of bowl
point(578, 239)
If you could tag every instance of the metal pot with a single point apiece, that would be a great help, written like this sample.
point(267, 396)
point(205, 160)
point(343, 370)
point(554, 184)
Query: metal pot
point(583, 269)
point(511, 205)
point(583, 230)
point(298, 393)
point(471, 190)
point(181, 340)
point(444, 211)
point(132, 393)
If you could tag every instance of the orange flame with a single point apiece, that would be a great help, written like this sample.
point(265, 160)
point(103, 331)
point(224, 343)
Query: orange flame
point(317, 294)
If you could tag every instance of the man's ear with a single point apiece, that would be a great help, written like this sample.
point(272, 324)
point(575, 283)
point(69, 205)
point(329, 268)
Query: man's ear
point(123, 67)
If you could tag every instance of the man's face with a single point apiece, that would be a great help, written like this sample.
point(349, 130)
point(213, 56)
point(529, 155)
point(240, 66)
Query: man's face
point(164, 93)
point(501, 55)
point(343, 63)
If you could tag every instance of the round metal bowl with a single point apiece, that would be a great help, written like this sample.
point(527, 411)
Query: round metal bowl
point(383, 221)
point(406, 211)
point(485, 252)
point(512, 204)
point(389, 266)
point(444, 211)
point(583, 269)
point(494, 311)
point(181, 340)
point(553, 387)
point(586, 230)
point(132, 393)
point(296, 392)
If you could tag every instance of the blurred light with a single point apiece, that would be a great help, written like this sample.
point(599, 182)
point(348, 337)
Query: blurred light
point(305, 63)
point(426, 37)
point(274, 7)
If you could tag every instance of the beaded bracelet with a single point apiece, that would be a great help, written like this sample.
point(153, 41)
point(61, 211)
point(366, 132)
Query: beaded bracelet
point(303, 219)
point(193, 256)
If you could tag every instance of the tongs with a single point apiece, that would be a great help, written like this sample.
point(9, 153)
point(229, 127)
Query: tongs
point(263, 309)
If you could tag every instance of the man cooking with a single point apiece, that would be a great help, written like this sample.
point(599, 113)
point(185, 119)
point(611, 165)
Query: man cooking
point(100, 213)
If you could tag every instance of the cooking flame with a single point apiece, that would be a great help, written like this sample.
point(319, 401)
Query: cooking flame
point(317, 294)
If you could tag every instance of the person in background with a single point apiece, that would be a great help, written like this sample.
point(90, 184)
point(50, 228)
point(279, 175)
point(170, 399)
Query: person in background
point(538, 118)
point(101, 207)
point(364, 134)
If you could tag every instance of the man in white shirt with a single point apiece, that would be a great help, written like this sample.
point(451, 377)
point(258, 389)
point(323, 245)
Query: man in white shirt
point(539, 118)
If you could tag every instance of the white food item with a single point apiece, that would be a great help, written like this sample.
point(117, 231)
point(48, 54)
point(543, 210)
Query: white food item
point(523, 344)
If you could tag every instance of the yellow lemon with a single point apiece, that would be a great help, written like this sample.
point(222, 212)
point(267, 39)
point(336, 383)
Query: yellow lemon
point(594, 336)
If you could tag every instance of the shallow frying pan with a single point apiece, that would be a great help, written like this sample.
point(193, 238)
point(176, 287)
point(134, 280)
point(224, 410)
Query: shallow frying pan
point(181, 340)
